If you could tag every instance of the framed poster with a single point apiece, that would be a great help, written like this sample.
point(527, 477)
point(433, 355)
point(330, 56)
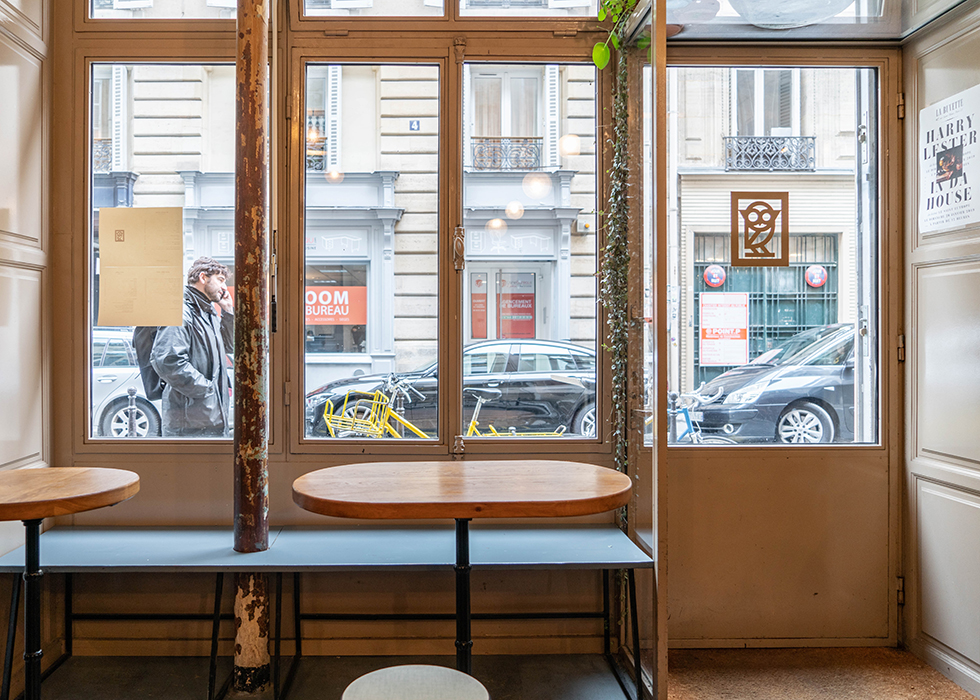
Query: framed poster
point(949, 158)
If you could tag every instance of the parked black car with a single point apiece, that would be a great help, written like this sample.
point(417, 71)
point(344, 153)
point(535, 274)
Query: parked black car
point(807, 398)
point(544, 386)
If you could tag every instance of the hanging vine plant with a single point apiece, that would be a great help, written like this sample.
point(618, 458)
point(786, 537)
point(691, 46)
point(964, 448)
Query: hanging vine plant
point(614, 269)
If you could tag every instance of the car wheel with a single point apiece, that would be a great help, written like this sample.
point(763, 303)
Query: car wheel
point(585, 422)
point(115, 421)
point(805, 422)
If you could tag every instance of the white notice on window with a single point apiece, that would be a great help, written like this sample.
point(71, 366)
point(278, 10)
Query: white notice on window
point(724, 329)
point(141, 280)
point(949, 160)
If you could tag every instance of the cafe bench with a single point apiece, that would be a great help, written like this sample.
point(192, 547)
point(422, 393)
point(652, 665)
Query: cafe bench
point(351, 548)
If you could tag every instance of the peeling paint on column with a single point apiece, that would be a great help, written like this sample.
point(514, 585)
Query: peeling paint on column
point(251, 527)
point(251, 281)
point(251, 672)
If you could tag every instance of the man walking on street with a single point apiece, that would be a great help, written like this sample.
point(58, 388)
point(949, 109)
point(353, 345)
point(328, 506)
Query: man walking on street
point(191, 358)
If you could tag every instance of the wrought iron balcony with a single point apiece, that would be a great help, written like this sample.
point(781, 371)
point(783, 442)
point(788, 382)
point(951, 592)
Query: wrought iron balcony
point(792, 153)
point(316, 142)
point(504, 153)
point(101, 155)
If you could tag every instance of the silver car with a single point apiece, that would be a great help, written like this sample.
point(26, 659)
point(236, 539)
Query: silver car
point(114, 371)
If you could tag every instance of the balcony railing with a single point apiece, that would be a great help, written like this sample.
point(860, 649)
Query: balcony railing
point(101, 155)
point(316, 142)
point(504, 153)
point(794, 153)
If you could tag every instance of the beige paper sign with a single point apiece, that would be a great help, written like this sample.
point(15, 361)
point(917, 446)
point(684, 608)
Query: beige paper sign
point(141, 279)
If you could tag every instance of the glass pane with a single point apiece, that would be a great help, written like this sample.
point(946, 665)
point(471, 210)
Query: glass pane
point(773, 282)
point(528, 8)
point(164, 9)
point(529, 206)
point(372, 245)
point(161, 140)
point(374, 8)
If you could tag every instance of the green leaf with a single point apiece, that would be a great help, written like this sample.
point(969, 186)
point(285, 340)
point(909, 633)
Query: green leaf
point(602, 13)
point(643, 42)
point(600, 55)
point(615, 40)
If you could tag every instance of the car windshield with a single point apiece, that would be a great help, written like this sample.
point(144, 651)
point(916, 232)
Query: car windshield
point(827, 351)
point(785, 350)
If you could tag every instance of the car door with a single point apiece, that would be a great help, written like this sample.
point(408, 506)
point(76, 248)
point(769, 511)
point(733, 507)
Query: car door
point(489, 366)
point(542, 397)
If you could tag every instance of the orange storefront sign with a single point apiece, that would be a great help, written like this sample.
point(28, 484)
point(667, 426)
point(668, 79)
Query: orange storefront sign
point(338, 306)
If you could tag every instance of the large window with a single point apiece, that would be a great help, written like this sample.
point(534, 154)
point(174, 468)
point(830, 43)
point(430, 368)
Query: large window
point(530, 247)
point(413, 309)
point(161, 158)
point(773, 274)
point(371, 250)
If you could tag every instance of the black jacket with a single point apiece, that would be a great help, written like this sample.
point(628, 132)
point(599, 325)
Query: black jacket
point(191, 360)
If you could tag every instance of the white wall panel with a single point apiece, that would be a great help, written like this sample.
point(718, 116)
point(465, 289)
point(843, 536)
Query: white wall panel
point(21, 145)
point(950, 596)
point(947, 359)
point(942, 615)
point(21, 401)
point(29, 12)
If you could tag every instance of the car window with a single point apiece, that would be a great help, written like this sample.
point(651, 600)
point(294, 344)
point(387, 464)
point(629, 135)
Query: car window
point(585, 361)
point(116, 355)
point(98, 347)
point(489, 361)
point(555, 360)
point(835, 354)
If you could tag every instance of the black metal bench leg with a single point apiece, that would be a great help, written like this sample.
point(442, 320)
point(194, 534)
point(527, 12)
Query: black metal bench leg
point(278, 642)
point(606, 621)
point(8, 657)
point(215, 624)
point(635, 624)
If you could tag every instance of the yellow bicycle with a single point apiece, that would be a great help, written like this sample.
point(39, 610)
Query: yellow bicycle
point(372, 415)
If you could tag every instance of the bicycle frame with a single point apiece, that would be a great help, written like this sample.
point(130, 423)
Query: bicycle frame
point(367, 414)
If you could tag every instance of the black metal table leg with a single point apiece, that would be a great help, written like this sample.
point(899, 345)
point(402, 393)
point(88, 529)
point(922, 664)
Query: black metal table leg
point(32, 611)
point(464, 641)
point(8, 657)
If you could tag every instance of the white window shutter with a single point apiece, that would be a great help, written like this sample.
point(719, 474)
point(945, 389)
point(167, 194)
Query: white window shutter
point(131, 4)
point(351, 4)
point(561, 4)
point(119, 117)
point(467, 111)
point(333, 117)
point(229, 4)
point(552, 97)
point(433, 3)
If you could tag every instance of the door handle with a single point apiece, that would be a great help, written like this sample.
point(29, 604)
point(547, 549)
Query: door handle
point(493, 385)
point(107, 379)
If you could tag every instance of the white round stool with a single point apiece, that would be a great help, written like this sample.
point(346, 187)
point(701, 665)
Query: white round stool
point(416, 682)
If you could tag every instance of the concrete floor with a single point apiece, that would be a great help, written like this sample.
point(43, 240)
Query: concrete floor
point(566, 677)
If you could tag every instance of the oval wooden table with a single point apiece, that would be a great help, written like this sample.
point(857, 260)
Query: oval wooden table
point(34, 494)
point(462, 491)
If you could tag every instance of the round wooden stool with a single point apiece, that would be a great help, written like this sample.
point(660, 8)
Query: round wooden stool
point(416, 682)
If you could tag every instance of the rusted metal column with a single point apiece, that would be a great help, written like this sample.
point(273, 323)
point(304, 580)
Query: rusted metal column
point(251, 671)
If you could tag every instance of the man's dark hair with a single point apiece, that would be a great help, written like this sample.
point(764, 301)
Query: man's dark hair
point(209, 266)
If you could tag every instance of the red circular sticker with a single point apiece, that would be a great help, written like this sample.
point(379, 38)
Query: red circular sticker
point(816, 275)
point(714, 275)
